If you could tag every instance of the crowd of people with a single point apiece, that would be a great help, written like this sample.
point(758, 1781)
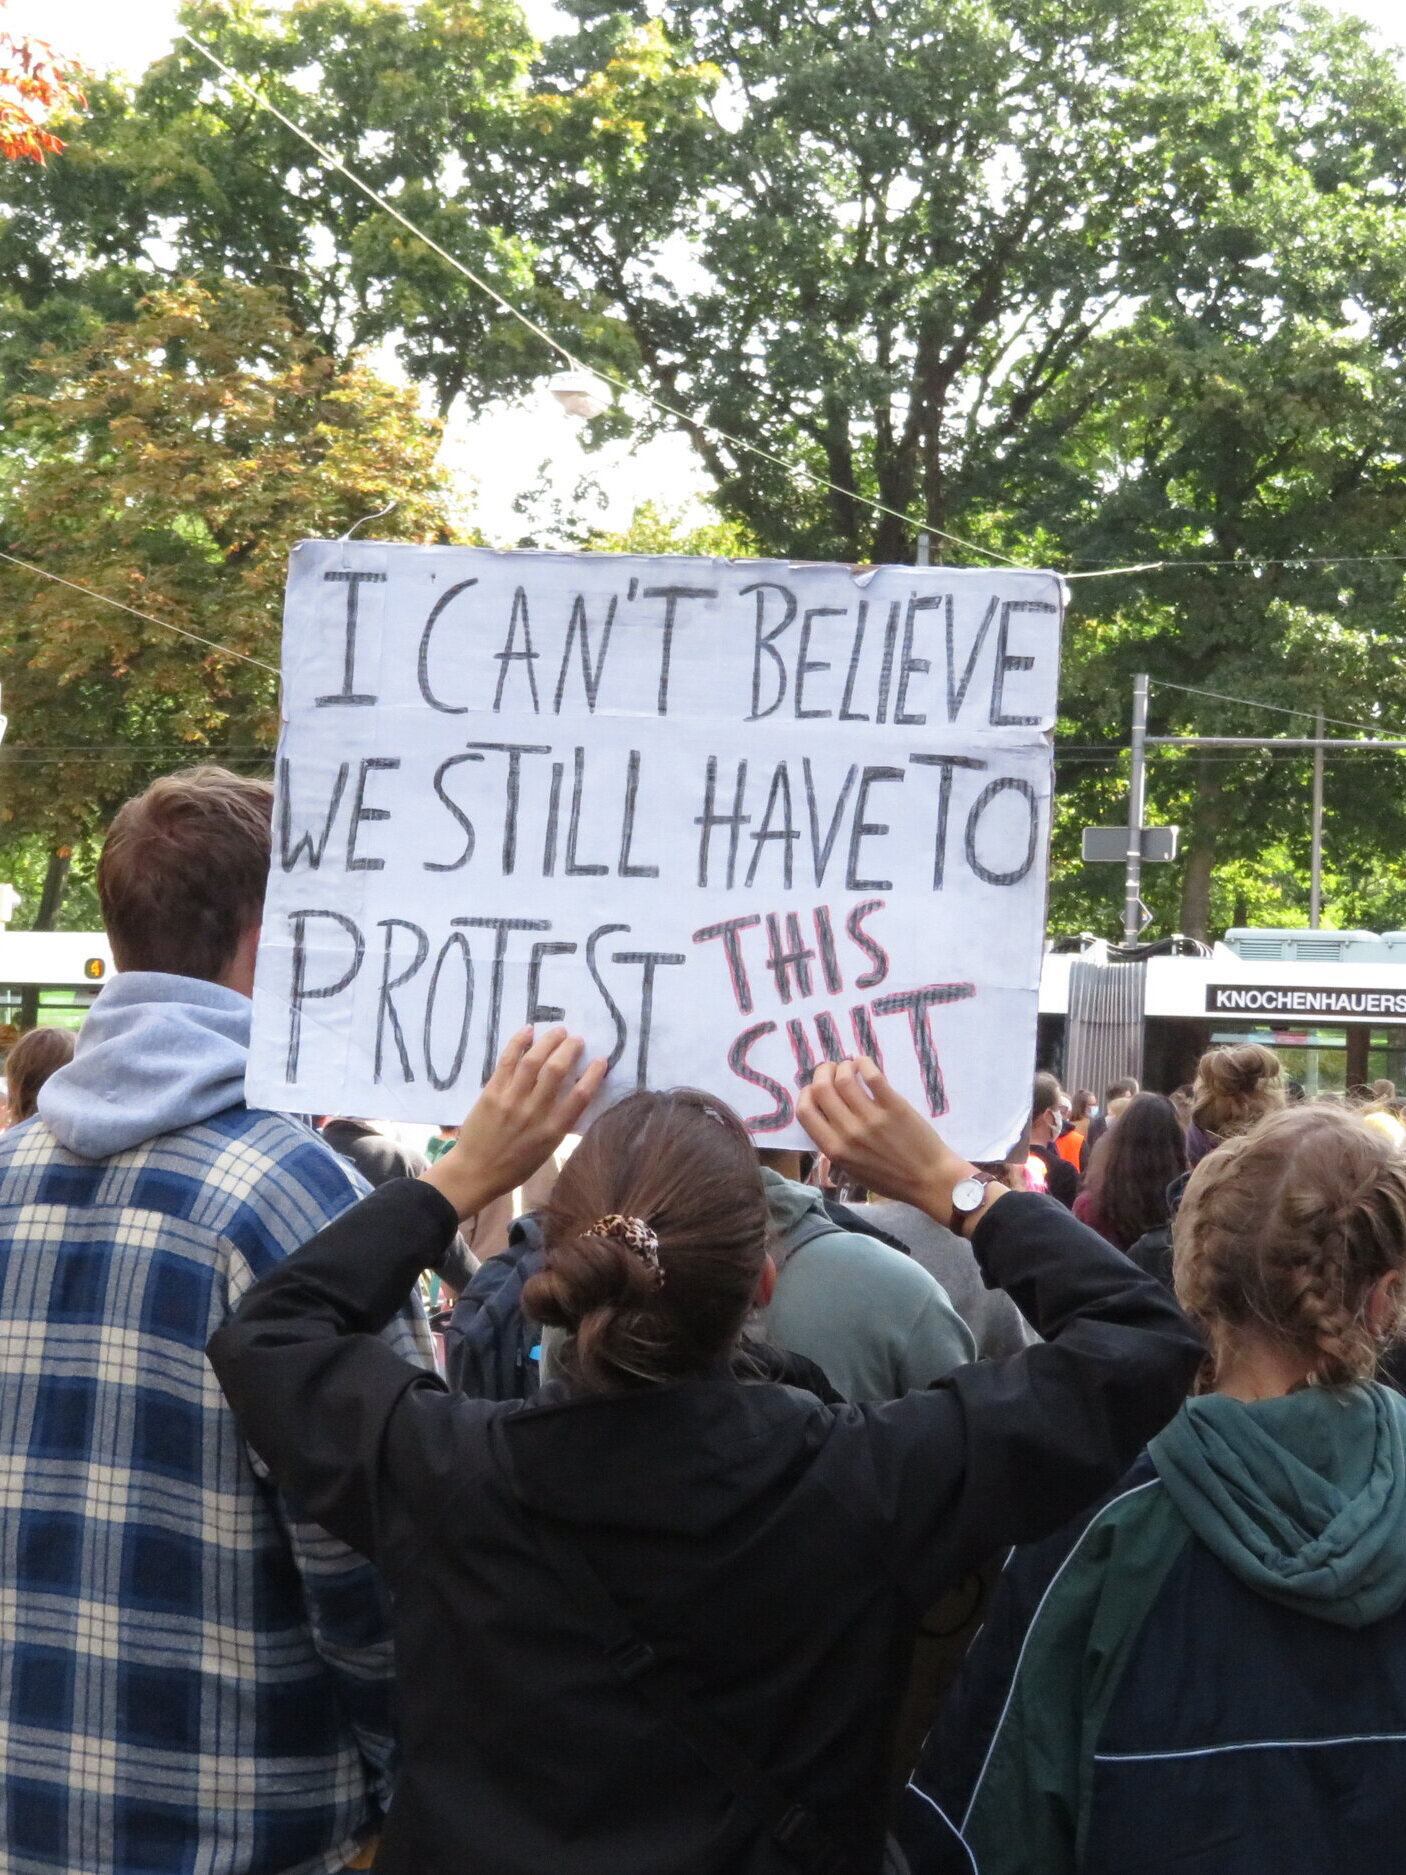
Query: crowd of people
point(857, 1511)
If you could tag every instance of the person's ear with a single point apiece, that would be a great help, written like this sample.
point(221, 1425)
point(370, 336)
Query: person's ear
point(766, 1283)
point(1384, 1305)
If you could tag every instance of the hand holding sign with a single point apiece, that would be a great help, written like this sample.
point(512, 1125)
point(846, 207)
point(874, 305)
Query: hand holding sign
point(863, 1124)
point(523, 1115)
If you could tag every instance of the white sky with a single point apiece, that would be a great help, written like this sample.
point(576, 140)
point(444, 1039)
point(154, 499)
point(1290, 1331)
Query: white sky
point(497, 455)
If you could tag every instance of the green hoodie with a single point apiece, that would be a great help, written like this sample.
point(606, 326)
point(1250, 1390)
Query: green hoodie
point(1303, 1498)
point(875, 1322)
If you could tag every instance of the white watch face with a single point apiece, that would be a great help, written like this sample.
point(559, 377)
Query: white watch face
point(968, 1194)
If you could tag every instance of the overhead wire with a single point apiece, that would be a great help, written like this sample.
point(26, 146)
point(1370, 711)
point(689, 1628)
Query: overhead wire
point(162, 624)
point(388, 207)
point(1241, 564)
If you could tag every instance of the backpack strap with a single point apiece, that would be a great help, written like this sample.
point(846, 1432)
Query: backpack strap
point(791, 1826)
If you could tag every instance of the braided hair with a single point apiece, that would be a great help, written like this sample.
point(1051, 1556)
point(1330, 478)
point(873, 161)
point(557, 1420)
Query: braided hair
point(1286, 1230)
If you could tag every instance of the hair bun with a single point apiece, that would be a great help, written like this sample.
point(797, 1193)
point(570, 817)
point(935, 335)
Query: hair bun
point(1235, 1087)
point(585, 1274)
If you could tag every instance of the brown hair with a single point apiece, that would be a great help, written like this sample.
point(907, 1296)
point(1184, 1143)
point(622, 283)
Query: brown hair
point(1286, 1230)
point(683, 1164)
point(1132, 1166)
point(1235, 1087)
point(183, 871)
point(1046, 1094)
point(29, 1064)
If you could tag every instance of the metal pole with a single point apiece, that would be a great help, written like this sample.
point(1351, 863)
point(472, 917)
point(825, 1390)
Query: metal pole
point(1137, 790)
point(1315, 889)
point(923, 557)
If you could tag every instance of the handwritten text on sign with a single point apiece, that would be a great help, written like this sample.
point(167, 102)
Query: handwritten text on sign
point(725, 818)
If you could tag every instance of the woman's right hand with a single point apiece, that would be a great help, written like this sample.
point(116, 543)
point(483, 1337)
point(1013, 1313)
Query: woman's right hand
point(862, 1124)
point(524, 1112)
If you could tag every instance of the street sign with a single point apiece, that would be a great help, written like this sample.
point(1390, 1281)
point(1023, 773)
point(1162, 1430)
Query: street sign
point(1109, 845)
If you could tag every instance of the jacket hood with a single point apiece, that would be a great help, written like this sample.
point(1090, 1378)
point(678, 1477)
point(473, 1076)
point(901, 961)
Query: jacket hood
point(787, 1203)
point(682, 1457)
point(157, 1053)
point(1303, 1498)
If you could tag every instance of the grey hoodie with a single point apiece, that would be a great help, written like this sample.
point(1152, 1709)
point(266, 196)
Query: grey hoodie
point(874, 1320)
point(156, 1053)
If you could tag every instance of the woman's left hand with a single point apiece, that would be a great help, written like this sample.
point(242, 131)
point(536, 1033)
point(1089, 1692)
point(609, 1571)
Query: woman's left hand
point(523, 1114)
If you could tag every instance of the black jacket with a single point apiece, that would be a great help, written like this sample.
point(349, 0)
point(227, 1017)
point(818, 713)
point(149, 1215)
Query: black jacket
point(775, 1551)
point(377, 1158)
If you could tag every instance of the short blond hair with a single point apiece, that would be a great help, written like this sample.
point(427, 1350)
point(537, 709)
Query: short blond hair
point(1286, 1230)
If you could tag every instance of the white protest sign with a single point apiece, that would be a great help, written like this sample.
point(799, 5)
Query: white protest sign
point(723, 818)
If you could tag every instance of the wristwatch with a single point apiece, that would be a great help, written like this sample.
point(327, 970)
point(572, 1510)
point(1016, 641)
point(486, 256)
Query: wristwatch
point(968, 1195)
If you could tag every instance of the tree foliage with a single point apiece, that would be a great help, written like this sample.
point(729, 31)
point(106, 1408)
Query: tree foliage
point(1091, 285)
point(171, 464)
point(35, 83)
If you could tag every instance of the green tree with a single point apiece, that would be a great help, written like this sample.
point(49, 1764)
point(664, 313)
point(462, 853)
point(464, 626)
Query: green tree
point(171, 464)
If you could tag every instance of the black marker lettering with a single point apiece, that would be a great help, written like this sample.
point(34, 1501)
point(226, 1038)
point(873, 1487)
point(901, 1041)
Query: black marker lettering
point(500, 927)
point(787, 834)
point(354, 582)
point(649, 962)
point(627, 833)
point(540, 1011)
point(621, 1029)
point(385, 1008)
point(957, 692)
point(423, 669)
point(766, 642)
point(881, 715)
point(508, 656)
point(579, 631)
point(710, 818)
point(512, 794)
point(863, 829)
point(360, 813)
point(1004, 784)
point(907, 663)
point(847, 715)
point(549, 844)
point(944, 801)
point(456, 941)
point(453, 865)
point(315, 848)
point(299, 993)
point(573, 827)
point(820, 850)
point(671, 596)
point(804, 663)
point(1004, 663)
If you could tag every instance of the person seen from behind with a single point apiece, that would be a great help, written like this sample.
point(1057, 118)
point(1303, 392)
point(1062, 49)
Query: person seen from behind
point(1235, 1088)
point(701, 1592)
point(1210, 1673)
point(192, 1675)
point(1116, 1096)
point(875, 1322)
point(1135, 1165)
point(29, 1063)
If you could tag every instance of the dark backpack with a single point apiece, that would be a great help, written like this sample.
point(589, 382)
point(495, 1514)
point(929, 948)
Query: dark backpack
point(490, 1347)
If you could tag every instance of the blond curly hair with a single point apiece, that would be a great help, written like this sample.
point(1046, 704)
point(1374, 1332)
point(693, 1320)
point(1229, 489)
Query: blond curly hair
point(1235, 1087)
point(1286, 1230)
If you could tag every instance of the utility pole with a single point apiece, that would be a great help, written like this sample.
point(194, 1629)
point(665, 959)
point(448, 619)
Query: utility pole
point(923, 555)
point(1315, 889)
point(1134, 911)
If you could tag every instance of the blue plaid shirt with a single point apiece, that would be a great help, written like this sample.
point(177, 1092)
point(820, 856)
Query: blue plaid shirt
point(191, 1679)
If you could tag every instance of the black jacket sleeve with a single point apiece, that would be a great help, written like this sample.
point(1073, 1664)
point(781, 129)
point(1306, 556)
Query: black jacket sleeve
point(315, 1389)
point(1003, 1452)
